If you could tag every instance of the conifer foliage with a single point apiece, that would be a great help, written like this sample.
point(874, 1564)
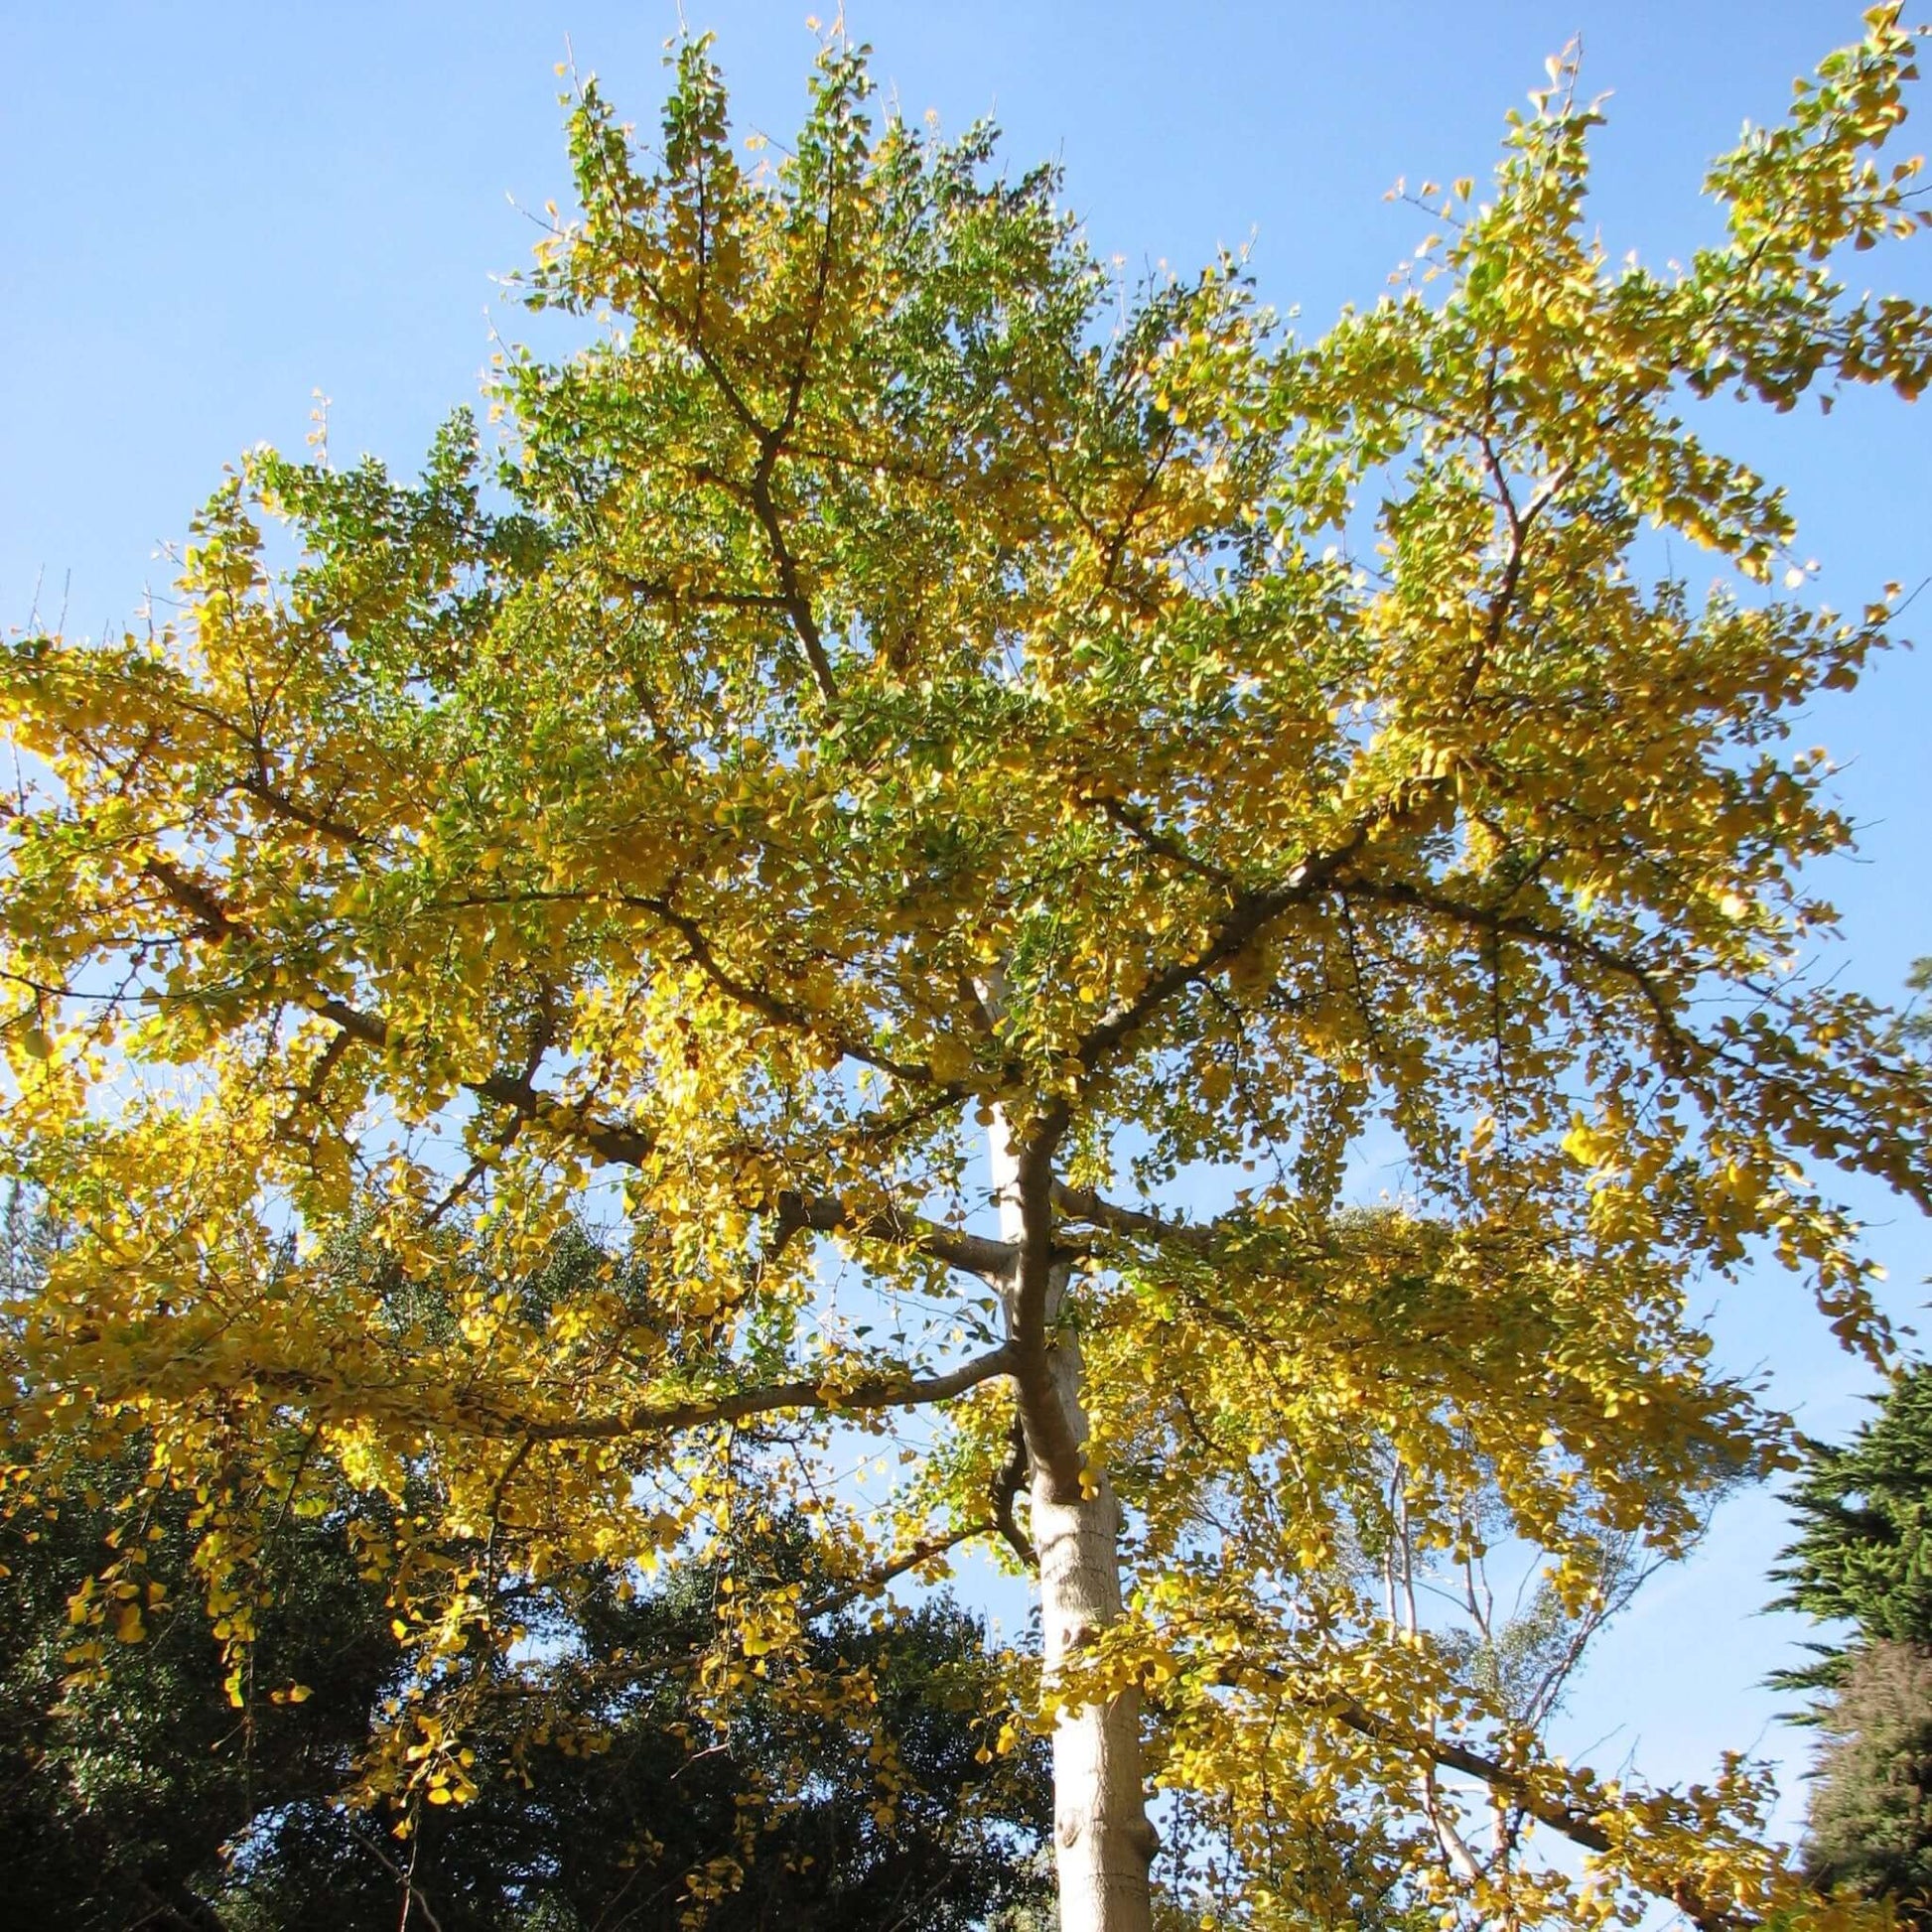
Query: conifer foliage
point(1869, 1827)
point(1863, 1550)
point(1864, 1559)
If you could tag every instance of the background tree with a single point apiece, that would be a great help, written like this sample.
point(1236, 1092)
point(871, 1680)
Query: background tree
point(145, 1797)
point(1869, 1824)
point(116, 1796)
point(1862, 1561)
point(790, 1816)
point(151, 1791)
point(921, 732)
point(1864, 1552)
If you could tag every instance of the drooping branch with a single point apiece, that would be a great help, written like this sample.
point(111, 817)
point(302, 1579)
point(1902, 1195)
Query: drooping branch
point(1579, 1826)
point(1007, 1485)
point(1519, 1788)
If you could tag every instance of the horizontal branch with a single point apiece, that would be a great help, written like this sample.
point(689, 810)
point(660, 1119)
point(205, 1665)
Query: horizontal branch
point(656, 590)
point(1083, 1204)
point(1579, 1826)
point(817, 1394)
point(973, 1254)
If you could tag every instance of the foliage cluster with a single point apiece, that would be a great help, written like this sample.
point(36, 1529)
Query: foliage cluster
point(142, 1793)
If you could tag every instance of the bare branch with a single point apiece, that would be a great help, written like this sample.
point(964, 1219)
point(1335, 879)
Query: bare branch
point(972, 1254)
point(1083, 1204)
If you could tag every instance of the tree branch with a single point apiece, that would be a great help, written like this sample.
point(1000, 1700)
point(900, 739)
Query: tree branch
point(609, 1140)
point(1007, 1485)
point(1040, 1279)
point(283, 805)
point(1083, 1204)
point(797, 605)
point(1576, 1826)
point(1679, 1048)
point(972, 1254)
point(756, 1000)
point(818, 1394)
point(1250, 913)
point(874, 1580)
point(1133, 820)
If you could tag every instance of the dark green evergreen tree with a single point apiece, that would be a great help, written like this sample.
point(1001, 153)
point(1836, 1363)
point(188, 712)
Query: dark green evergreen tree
point(118, 1798)
point(605, 1836)
point(117, 1795)
point(1869, 1824)
point(1864, 1552)
point(1862, 1561)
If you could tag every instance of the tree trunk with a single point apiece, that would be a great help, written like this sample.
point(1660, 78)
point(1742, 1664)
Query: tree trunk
point(1103, 1844)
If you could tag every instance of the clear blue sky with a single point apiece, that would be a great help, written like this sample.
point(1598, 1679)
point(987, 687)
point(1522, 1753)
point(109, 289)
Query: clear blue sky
point(211, 211)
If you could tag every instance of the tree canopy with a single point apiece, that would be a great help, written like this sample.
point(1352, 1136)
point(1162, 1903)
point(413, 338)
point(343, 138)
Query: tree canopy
point(905, 752)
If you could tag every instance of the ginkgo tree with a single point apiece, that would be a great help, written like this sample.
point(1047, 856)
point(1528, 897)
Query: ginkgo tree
point(906, 755)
